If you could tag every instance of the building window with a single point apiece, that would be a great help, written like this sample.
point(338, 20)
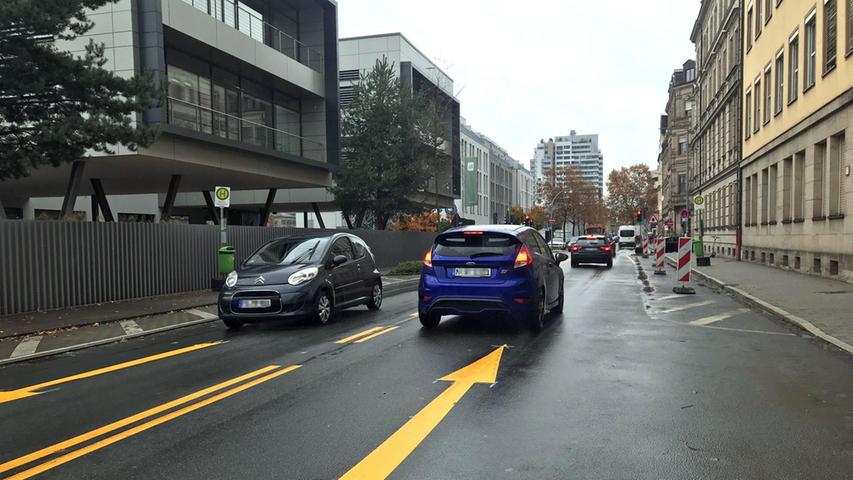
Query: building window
point(758, 19)
point(682, 145)
point(780, 80)
point(793, 67)
point(836, 149)
point(748, 110)
point(787, 188)
point(810, 52)
point(799, 184)
point(682, 183)
point(849, 25)
point(768, 10)
point(830, 34)
point(757, 104)
point(749, 21)
point(771, 195)
point(817, 180)
point(747, 200)
point(754, 202)
point(765, 190)
point(768, 98)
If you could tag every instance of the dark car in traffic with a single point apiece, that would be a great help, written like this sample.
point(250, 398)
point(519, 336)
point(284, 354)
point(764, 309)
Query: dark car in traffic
point(479, 270)
point(592, 249)
point(301, 277)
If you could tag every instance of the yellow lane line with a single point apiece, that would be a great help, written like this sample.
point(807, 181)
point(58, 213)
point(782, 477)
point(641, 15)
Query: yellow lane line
point(32, 389)
point(66, 444)
point(371, 337)
point(359, 335)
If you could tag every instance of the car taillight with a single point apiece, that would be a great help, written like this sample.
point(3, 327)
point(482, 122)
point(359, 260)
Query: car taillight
point(576, 248)
point(605, 248)
point(523, 258)
point(428, 258)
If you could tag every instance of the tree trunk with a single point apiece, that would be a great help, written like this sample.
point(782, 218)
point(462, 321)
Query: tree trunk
point(359, 218)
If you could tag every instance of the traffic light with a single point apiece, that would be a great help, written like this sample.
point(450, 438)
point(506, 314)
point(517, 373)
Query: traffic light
point(527, 220)
point(639, 215)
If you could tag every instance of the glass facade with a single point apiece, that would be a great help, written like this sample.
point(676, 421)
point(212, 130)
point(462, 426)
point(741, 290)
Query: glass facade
point(232, 107)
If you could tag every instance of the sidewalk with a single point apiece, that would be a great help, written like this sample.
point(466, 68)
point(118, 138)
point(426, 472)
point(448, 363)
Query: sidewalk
point(819, 305)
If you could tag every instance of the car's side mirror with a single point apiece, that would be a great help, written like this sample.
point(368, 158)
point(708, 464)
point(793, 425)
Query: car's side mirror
point(561, 257)
point(339, 260)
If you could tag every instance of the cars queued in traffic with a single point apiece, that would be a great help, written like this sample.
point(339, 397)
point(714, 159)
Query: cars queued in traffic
point(474, 270)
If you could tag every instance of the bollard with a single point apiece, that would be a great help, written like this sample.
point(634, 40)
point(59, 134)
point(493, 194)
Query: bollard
point(685, 261)
point(660, 250)
point(645, 247)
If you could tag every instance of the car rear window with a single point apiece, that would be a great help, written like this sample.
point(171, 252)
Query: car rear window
point(595, 242)
point(476, 246)
point(626, 233)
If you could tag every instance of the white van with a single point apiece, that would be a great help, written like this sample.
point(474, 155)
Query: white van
point(627, 234)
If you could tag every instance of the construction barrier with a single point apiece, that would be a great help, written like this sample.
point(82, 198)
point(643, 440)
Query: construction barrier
point(685, 264)
point(645, 247)
point(660, 250)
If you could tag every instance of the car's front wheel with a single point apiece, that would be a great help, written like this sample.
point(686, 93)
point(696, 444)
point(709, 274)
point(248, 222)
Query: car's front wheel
point(232, 324)
point(429, 320)
point(375, 297)
point(323, 308)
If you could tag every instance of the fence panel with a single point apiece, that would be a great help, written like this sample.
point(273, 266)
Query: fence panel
point(49, 265)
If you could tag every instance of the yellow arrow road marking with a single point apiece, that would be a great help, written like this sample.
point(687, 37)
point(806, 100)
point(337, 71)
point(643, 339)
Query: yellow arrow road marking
point(139, 428)
point(371, 337)
point(33, 389)
point(359, 335)
point(382, 461)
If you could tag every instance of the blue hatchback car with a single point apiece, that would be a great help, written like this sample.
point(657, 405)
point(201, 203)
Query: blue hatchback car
point(491, 269)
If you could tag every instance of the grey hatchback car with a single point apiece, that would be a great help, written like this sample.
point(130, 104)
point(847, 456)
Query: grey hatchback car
point(301, 277)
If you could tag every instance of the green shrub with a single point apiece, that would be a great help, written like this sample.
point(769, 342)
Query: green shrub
point(407, 268)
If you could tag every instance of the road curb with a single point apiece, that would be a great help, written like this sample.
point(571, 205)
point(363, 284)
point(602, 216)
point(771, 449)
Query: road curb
point(752, 300)
point(394, 289)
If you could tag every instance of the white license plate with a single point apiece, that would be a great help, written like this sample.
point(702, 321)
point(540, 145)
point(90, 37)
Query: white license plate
point(473, 272)
point(259, 303)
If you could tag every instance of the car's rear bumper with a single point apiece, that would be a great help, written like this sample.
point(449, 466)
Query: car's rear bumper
point(603, 257)
point(437, 298)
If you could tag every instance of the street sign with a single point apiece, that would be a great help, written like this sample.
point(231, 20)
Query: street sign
point(653, 220)
point(552, 221)
point(684, 214)
point(222, 197)
point(699, 202)
point(668, 222)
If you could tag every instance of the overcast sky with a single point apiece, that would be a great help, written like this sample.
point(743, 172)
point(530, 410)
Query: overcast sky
point(527, 70)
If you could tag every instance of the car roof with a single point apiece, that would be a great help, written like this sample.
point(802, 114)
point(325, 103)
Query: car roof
point(508, 229)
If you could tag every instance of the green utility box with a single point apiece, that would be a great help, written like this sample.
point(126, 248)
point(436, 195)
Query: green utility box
point(226, 259)
point(698, 250)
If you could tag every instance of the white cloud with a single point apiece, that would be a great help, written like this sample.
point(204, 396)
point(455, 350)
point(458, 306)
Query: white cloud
point(537, 69)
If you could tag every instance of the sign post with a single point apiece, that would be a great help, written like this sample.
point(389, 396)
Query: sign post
point(222, 200)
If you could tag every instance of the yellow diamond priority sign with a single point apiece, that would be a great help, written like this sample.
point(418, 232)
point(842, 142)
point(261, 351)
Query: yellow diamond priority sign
point(222, 197)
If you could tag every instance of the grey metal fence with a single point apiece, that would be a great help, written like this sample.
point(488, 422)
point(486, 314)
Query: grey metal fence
point(47, 265)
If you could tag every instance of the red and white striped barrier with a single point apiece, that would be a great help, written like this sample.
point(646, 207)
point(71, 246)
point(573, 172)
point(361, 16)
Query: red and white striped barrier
point(685, 264)
point(660, 250)
point(645, 247)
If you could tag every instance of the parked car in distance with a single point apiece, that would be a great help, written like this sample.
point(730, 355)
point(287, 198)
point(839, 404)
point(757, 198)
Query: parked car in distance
point(557, 244)
point(592, 249)
point(301, 277)
point(486, 270)
point(572, 241)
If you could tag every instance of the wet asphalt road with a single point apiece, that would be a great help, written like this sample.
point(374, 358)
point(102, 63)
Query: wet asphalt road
point(621, 386)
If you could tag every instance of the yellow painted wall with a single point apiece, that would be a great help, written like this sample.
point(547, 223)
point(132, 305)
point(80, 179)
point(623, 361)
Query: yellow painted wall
point(789, 16)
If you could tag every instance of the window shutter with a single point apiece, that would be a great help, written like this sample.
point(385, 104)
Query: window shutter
point(830, 39)
point(849, 25)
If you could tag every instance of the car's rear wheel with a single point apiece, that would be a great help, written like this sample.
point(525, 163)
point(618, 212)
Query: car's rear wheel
point(536, 318)
point(610, 263)
point(375, 297)
point(559, 307)
point(429, 320)
point(323, 308)
point(232, 324)
point(575, 264)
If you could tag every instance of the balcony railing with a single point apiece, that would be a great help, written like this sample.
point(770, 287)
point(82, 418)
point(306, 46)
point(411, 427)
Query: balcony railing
point(213, 122)
point(253, 25)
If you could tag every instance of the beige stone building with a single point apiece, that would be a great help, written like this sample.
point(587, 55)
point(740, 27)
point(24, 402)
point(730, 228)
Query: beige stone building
point(798, 118)
point(715, 146)
point(675, 147)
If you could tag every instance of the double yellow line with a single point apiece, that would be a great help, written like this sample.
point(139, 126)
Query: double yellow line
point(251, 379)
point(368, 334)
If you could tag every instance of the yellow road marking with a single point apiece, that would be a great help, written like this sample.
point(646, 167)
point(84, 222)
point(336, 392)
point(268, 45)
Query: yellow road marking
point(66, 444)
point(359, 335)
point(31, 390)
point(387, 457)
point(381, 332)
